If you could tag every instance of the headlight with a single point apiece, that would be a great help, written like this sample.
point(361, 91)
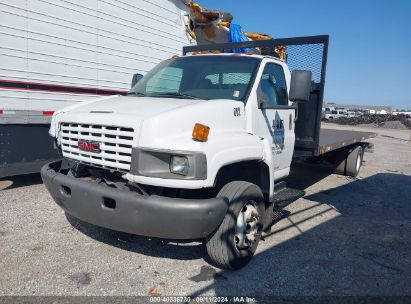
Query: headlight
point(179, 165)
point(188, 165)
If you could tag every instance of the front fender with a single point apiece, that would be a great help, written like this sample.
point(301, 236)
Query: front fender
point(229, 149)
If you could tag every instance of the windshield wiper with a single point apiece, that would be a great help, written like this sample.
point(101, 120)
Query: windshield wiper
point(135, 94)
point(175, 94)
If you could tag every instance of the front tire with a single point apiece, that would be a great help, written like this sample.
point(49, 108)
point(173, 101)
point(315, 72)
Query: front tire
point(234, 242)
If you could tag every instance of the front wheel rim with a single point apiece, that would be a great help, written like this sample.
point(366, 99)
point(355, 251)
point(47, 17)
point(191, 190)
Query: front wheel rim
point(247, 226)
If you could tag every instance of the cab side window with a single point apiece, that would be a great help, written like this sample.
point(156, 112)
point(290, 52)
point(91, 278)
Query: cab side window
point(273, 87)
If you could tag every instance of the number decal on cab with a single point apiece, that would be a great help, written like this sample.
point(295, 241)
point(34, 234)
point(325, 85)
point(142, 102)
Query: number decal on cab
point(237, 111)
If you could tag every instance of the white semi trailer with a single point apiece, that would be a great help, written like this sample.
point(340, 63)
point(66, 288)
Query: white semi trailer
point(57, 53)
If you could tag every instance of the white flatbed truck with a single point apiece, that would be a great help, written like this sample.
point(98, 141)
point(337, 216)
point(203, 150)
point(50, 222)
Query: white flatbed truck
point(199, 147)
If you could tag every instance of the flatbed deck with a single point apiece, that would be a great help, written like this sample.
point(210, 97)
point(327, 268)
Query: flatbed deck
point(331, 139)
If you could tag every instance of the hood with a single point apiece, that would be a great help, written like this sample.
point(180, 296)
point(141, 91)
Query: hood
point(135, 107)
point(117, 110)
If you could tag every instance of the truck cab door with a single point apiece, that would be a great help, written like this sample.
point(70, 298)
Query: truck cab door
point(275, 117)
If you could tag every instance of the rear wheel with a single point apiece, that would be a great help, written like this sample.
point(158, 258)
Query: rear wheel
point(354, 161)
point(234, 242)
point(350, 164)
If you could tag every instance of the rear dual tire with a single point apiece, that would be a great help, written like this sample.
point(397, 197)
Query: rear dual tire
point(234, 242)
point(351, 164)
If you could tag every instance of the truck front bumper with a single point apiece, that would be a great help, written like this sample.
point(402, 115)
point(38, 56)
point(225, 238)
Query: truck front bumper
point(130, 212)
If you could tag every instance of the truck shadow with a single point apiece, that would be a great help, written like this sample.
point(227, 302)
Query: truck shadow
point(350, 240)
point(19, 181)
point(139, 244)
point(304, 175)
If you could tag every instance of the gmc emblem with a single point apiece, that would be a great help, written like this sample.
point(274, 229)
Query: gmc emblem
point(93, 147)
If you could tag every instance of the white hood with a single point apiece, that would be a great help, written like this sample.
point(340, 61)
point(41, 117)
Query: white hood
point(117, 110)
point(135, 107)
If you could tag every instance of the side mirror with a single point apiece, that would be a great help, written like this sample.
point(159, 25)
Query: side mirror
point(300, 89)
point(136, 78)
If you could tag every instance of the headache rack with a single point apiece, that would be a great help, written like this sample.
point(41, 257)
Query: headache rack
point(302, 53)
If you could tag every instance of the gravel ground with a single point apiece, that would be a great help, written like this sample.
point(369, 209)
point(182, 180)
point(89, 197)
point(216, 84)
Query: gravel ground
point(345, 237)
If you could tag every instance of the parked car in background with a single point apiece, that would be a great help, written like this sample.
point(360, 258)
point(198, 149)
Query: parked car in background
point(352, 114)
point(335, 114)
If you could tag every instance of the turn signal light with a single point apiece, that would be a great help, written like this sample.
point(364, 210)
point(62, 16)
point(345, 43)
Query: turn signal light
point(200, 132)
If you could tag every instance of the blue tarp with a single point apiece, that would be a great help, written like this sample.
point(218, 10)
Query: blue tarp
point(236, 35)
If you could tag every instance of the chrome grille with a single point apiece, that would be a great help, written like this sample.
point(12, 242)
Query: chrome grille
point(115, 145)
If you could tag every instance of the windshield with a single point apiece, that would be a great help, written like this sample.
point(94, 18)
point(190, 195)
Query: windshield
point(202, 77)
